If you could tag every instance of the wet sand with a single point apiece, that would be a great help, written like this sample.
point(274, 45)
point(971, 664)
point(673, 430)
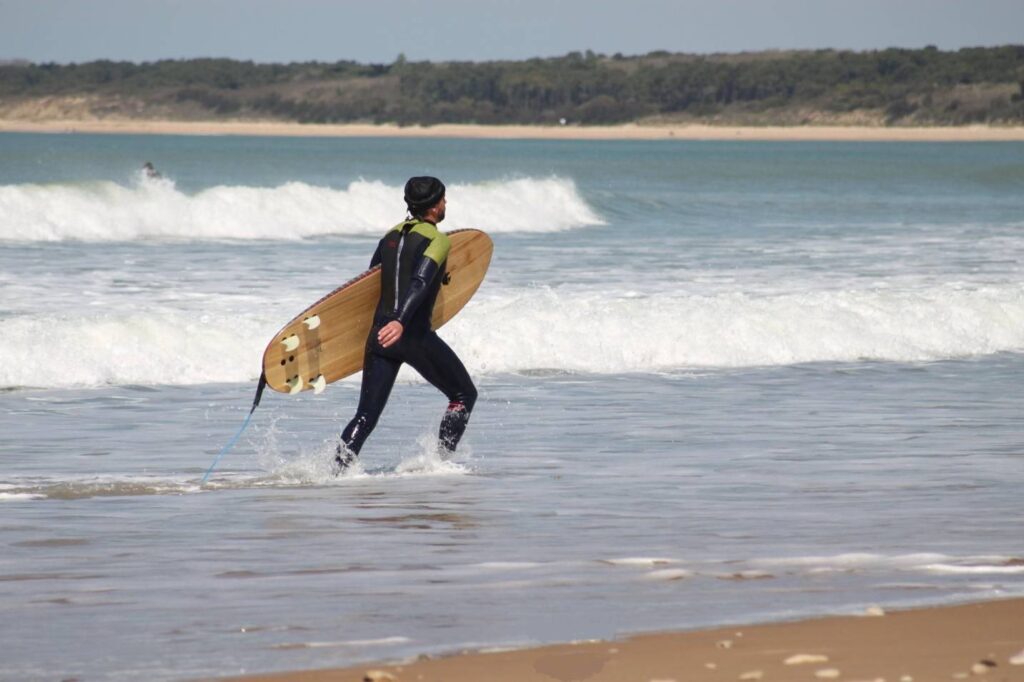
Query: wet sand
point(624, 132)
point(981, 641)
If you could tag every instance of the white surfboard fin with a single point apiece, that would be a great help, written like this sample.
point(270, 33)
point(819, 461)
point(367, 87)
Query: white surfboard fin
point(312, 322)
point(294, 385)
point(290, 342)
point(318, 384)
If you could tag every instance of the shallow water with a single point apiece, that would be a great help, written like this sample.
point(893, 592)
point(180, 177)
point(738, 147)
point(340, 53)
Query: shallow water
point(742, 382)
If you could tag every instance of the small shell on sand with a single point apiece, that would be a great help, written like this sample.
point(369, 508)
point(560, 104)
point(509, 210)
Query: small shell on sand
point(801, 659)
point(827, 674)
point(752, 675)
point(906, 678)
point(711, 666)
point(983, 666)
point(1017, 658)
point(378, 676)
point(724, 644)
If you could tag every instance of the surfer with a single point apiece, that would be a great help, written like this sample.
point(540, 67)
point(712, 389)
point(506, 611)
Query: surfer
point(150, 171)
point(412, 256)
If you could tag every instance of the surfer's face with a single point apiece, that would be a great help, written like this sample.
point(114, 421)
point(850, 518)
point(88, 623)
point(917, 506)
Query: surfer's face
point(439, 210)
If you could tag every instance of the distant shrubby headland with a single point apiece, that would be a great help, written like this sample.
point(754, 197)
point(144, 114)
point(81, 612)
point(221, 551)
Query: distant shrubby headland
point(895, 87)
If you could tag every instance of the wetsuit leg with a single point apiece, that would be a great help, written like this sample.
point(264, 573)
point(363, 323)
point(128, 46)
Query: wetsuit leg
point(438, 364)
point(379, 375)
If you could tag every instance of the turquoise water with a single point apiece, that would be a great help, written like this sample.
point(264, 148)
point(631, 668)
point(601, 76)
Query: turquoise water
point(720, 382)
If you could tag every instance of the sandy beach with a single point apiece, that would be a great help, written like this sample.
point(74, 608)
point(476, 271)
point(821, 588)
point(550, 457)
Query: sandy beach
point(973, 641)
point(512, 132)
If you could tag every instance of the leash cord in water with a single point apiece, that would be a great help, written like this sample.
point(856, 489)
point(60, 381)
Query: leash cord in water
point(223, 451)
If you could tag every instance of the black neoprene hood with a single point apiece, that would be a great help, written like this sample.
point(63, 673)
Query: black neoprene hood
point(423, 192)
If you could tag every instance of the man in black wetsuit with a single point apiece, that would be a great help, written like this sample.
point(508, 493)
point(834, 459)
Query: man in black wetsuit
point(412, 256)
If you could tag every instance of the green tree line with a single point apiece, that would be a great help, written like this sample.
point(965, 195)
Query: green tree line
point(898, 86)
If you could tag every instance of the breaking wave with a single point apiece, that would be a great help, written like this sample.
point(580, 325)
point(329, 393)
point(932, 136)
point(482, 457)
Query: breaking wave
point(156, 209)
point(523, 330)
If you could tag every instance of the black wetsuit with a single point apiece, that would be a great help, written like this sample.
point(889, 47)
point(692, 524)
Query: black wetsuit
point(412, 257)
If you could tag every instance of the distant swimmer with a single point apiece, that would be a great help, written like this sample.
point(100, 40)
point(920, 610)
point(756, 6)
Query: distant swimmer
point(412, 256)
point(150, 171)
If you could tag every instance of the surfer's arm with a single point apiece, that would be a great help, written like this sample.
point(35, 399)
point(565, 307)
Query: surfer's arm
point(419, 287)
point(376, 259)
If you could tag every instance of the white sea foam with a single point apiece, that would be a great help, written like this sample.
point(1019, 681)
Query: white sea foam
point(139, 349)
point(590, 332)
point(974, 569)
point(356, 643)
point(507, 565)
point(106, 211)
point(854, 561)
point(668, 574)
point(936, 564)
point(642, 562)
point(15, 497)
point(85, 487)
point(429, 464)
point(545, 329)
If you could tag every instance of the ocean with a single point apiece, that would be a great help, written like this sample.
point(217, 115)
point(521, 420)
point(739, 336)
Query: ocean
point(720, 382)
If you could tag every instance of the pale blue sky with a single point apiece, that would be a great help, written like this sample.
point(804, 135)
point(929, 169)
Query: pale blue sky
point(378, 30)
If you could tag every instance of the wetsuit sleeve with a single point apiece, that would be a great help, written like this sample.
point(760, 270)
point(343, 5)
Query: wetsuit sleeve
point(419, 286)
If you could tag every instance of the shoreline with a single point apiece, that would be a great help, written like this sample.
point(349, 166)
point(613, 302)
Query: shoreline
point(523, 132)
point(979, 640)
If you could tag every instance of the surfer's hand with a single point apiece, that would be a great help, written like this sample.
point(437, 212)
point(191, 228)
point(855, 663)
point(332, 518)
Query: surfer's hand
point(390, 333)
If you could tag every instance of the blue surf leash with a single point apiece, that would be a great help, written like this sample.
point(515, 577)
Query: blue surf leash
point(231, 443)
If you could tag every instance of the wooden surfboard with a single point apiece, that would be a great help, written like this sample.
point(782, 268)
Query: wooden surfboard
point(325, 342)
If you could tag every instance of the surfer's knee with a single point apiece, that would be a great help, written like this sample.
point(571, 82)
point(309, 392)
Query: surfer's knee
point(465, 398)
